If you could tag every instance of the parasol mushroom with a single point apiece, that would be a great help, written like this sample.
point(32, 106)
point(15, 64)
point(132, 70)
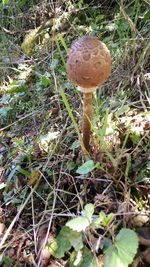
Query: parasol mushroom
point(88, 66)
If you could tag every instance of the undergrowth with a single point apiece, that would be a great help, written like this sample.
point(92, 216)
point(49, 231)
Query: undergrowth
point(45, 181)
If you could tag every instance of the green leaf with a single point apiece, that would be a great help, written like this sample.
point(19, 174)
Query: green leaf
point(88, 259)
point(63, 242)
point(102, 220)
point(75, 239)
point(87, 167)
point(53, 247)
point(102, 216)
point(105, 243)
point(78, 224)
point(122, 110)
point(75, 144)
point(45, 81)
point(78, 258)
point(122, 252)
point(88, 211)
point(98, 221)
point(108, 219)
point(127, 244)
point(16, 87)
point(111, 258)
point(66, 239)
point(73, 256)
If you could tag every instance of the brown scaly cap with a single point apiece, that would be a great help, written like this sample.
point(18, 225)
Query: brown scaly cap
point(89, 62)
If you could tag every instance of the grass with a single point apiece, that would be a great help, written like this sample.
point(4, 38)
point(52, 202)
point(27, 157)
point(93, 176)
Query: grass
point(40, 119)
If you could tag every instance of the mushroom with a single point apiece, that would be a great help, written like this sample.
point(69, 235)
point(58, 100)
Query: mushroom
point(88, 66)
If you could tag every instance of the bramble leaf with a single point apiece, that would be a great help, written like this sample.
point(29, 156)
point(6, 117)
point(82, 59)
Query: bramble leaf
point(89, 210)
point(78, 224)
point(102, 220)
point(122, 252)
point(78, 258)
point(88, 259)
point(75, 239)
point(52, 247)
point(127, 244)
point(108, 219)
point(98, 221)
point(63, 243)
point(111, 258)
point(66, 239)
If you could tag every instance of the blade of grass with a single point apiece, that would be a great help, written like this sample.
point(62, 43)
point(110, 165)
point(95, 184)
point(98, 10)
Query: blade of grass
point(103, 131)
point(63, 43)
point(66, 103)
point(125, 141)
point(60, 53)
point(128, 165)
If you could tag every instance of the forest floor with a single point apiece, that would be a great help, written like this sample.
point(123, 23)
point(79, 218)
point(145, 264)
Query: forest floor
point(45, 179)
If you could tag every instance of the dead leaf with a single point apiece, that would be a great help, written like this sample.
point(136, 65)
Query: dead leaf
point(34, 177)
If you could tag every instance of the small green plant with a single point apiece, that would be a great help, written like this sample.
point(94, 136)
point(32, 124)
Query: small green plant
point(81, 235)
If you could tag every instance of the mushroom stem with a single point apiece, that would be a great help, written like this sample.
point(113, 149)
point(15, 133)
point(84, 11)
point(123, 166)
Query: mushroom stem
point(86, 125)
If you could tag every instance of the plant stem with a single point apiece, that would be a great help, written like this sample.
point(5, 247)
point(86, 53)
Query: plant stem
point(87, 112)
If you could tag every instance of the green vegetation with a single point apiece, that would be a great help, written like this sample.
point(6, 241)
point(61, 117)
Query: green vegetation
point(82, 229)
point(46, 183)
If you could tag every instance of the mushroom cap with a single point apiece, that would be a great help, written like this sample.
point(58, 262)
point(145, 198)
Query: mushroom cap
point(88, 63)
